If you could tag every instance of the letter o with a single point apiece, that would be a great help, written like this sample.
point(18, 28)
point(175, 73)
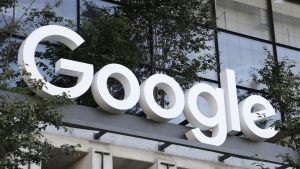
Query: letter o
point(102, 96)
point(174, 92)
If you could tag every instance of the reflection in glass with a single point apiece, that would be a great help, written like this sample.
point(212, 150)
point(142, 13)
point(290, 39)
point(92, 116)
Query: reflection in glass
point(99, 3)
point(244, 16)
point(67, 10)
point(287, 22)
point(243, 94)
point(242, 55)
point(209, 74)
point(203, 106)
point(292, 55)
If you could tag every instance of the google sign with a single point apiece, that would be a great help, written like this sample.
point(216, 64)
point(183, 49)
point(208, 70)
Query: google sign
point(229, 116)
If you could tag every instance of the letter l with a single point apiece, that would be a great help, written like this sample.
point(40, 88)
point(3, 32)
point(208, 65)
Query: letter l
point(228, 84)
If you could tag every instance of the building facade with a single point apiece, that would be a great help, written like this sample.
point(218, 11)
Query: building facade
point(245, 27)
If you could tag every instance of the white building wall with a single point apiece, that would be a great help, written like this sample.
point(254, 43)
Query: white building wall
point(126, 147)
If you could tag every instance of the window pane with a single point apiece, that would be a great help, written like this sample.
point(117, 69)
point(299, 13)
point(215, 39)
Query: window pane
point(203, 106)
point(98, 3)
point(244, 16)
point(209, 74)
point(292, 55)
point(242, 55)
point(67, 10)
point(243, 94)
point(287, 22)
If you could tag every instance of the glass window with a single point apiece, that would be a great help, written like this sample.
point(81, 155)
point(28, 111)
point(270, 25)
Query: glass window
point(244, 16)
point(203, 106)
point(13, 50)
point(292, 55)
point(209, 74)
point(13, 60)
point(41, 49)
point(287, 22)
point(67, 9)
point(99, 3)
point(242, 55)
point(243, 94)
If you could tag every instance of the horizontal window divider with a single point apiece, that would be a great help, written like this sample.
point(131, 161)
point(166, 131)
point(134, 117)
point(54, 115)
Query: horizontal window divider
point(209, 80)
point(245, 36)
point(113, 2)
point(288, 47)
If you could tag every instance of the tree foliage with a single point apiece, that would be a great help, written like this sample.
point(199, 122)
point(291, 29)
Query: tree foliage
point(172, 36)
point(148, 37)
point(16, 22)
point(22, 121)
point(281, 86)
point(107, 40)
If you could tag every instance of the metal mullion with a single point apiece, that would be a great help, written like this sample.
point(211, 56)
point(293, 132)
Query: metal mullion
point(248, 89)
point(270, 10)
point(244, 35)
point(78, 14)
point(217, 51)
point(209, 80)
point(14, 36)
point(288, 47)
point(273, 36)
point(113, 2)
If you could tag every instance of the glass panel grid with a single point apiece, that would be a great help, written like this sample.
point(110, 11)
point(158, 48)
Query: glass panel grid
point(244, 16)
point(291, 55)
point(67, 9)
point(287, 22)
point(242, 55)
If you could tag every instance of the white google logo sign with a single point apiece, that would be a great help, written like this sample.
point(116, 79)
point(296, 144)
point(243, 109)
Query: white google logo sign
point(229, 117)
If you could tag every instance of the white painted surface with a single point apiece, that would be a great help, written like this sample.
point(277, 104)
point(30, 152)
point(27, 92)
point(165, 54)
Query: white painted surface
point(93, 160)
point(215, 99)
point(32, 166)
point(146, 150)
point(26, 60)
point(158, 165)
point(248, 119)
point(102, 96)
point(150, 106)
point(228, 85)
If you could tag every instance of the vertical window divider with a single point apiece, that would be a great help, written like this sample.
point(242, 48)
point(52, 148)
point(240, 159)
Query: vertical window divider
point(273, 36)
point(78, 14)
point(213, 4)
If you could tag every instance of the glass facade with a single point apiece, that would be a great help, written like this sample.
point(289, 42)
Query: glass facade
point(203, 107)
point(246, 24)
point(67, 10)
point(248, 17)
point(241, 55)
point(208, 74)
point(245, 28)
point(287, 22)
point(291, 55)
point(98, 3)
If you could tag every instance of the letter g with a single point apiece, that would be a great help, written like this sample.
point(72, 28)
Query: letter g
point(83, 71)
